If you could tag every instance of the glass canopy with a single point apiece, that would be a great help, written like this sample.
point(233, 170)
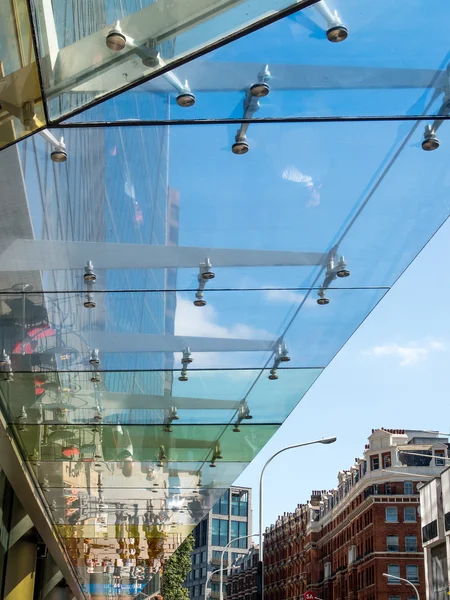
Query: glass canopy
point(179, 263)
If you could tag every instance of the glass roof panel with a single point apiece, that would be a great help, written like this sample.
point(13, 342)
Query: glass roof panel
point(154, 230)
point(209, 397)
point(379, 70)
point(21, 106)
point(144, 443)
point(87, 51)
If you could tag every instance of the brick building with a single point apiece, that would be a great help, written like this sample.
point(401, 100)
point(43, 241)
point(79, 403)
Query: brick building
point(242, 579)
point(340, 543)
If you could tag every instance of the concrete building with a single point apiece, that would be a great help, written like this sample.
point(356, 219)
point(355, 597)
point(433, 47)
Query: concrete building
point(435, 516)
point(231, 517)
point(339, 544)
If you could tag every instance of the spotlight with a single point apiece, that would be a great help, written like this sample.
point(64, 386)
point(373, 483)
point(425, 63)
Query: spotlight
point(95, 377)
point(185, 99)
point(240, 146)
point(89, 275)
point(337, 34)
point(430, 141)
point(342, 270)
point(89, 301)
point(322, 299)
point(94, 359)
point(183, 376)
point(115, 40)
point(273, 375)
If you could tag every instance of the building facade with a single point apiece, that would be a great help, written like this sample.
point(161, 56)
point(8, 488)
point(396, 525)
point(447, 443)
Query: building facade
point(242, 580)
point(435, 516)
point(230, 518)
point(340, 543)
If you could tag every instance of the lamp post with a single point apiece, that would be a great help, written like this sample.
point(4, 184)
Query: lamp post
point(241, 537)
point(405, 580)
point(260, 592)
point(208, 577)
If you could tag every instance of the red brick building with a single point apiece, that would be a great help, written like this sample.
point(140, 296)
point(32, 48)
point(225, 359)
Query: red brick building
point(242, 579)
point(340, 543)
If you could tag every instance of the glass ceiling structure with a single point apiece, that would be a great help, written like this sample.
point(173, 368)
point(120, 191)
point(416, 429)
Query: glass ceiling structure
point(181, 260)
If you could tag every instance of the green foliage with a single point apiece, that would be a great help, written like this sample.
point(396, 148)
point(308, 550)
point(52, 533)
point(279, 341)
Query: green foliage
point(176, 570)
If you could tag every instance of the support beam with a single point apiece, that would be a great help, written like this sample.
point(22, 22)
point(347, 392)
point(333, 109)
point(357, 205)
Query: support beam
point(117, 401)
point(40, 255)
point(107, 341)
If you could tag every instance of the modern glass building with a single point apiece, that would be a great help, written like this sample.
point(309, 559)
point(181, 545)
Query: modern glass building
point(200, 204)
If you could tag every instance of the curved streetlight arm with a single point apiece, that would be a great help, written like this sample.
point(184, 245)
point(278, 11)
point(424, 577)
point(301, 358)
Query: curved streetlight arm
point(261, 484)
point(241, 537)
point(405, 580)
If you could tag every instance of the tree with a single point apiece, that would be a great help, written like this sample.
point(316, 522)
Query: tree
point(176, 570)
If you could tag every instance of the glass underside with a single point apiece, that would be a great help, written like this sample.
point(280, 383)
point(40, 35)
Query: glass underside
point(89, 51)
point(379, 70)
point(21, 106)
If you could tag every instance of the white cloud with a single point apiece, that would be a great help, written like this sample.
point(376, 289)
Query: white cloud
point(193, 321)
point(285, 296)
point(408, 354)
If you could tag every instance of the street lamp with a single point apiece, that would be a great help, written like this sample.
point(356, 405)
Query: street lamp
point(241, 537)
point(208, 577)
point(329, 440)
point(405, 580)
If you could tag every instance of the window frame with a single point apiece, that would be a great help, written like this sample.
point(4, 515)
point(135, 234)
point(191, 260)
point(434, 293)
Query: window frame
point(409, 483)
point(386, 514)
point(397, 546)
point(406, 543)
point(408, 509)
point(396, 581)
point(415, 578)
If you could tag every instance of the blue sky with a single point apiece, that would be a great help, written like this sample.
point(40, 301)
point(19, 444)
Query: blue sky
point(392, 373)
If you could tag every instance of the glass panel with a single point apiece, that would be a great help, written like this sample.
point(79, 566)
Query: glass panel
point(208, 397)
point(379, 70)
point(344, 199)
point(89, 51)
point(144, 443)
point(21, 107)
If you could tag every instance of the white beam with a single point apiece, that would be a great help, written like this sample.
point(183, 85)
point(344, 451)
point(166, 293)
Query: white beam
point(41, 255)
point(109, 341)
point(116, 401)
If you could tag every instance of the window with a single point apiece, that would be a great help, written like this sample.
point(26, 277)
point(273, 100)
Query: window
point(429, 531)
point(393, 570)
point(409, 514)
point(395, 598)
point(412, 573)
point(221, 507)
point(239, 529)
point(202, 590)
point(408, 487)
point(327, 567)
point(197, 574)
point(239, 504)
point(391, 514)
point(410, 543)
point(234, 557)
point(218, 554)
point(197, 558)
point(387, 489)
point(392, 543)
point(219, 532)
point(203, 559)
point(203, 571)
point(375, 462)
point(386, 460)
point(440, 462)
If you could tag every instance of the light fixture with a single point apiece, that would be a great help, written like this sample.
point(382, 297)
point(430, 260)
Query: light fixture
point(89, 274)
point(59, 153)
point(322, 299)
point(430, 140)
point(115, 40)
point(261, 88)
point(240, 146)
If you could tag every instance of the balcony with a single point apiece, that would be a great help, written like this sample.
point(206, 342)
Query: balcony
point(215, 595)
point(216, 577)
point(216, 562)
